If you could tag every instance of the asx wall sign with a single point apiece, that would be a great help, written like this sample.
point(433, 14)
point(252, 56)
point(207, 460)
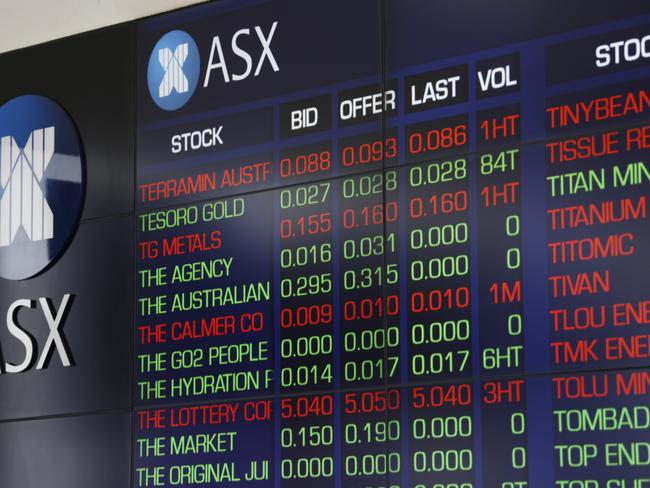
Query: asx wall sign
point(42, 188)
point(174, 64)
point(173, 70)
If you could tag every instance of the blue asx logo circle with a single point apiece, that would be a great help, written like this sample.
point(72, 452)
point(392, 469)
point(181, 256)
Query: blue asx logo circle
point(42, 184)
point(173, 70)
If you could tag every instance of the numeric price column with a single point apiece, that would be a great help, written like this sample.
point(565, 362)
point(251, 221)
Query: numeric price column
point(307, 434)
point(440, 436)
point(364, 277)
point(371, 435)
point(306, 287)
point(438, 263)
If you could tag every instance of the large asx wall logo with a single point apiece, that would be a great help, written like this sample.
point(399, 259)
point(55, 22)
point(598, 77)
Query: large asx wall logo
point(42, 184)
point(173, 70)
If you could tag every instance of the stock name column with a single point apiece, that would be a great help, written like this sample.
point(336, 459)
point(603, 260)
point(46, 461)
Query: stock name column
point(597, 185)
point(204, 334)
point(600, 424)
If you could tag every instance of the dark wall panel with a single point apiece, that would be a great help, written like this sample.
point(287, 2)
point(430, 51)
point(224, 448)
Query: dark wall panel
point(97, 269)
point(74, 452)
point(90, 75)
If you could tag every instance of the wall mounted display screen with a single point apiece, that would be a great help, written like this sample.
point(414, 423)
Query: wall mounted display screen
point(393, 244)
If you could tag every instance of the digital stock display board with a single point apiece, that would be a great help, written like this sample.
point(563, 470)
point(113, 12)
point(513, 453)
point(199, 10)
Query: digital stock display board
point(393, 244)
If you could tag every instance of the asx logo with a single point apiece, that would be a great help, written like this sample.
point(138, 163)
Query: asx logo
point(174, 65)
point(173, 70)
point(23, 204)
point(42, 188)
point(55, 342)
point(41, 184)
